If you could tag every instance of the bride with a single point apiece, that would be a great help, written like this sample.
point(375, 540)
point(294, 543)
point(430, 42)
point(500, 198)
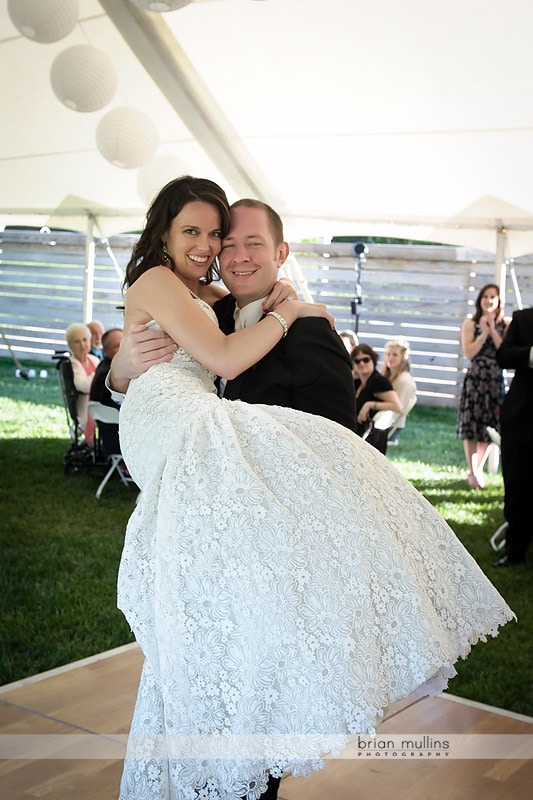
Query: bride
point(285, 583)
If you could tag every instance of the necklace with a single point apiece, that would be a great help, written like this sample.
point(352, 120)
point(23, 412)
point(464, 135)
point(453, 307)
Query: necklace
point(192, 294)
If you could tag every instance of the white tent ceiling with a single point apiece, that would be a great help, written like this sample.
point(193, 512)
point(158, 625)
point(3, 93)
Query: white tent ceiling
point(350, 116)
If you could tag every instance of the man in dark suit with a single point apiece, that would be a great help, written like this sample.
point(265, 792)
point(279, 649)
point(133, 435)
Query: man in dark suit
point(108, 431)
point(516, 420)
point(110, 343)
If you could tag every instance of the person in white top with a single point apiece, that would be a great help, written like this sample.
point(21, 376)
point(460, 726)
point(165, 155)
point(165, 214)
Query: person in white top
point(397, 369)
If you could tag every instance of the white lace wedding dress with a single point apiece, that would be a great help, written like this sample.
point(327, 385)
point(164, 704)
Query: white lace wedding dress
point(285, 583)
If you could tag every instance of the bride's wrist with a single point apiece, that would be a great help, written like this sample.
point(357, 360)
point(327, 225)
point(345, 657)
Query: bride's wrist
point(288, 310)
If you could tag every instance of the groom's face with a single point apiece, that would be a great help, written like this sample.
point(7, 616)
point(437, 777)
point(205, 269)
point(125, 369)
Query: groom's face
point(249, 259)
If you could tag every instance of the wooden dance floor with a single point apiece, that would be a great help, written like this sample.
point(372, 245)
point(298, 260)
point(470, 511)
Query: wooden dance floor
point(442, 748)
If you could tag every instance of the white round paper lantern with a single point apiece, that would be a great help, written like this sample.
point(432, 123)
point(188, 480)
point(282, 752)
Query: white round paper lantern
point(43, 21)
point(127, 137)
point(83, 78)
point(156, 173)
point(160, 6)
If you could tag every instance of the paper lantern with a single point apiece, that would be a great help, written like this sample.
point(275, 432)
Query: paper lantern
point(83, 78)
point(160, 6)
point(127, 137)
point(43, 21)
point(156, 173)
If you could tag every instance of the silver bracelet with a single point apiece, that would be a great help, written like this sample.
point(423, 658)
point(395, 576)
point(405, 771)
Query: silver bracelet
point(282, 322)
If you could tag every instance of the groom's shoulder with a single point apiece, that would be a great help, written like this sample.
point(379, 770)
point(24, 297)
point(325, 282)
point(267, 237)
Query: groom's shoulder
point(224, 309)
point(315, 328)
point(225, 303)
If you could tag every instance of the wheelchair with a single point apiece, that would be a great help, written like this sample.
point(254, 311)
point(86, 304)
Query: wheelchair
point(80, 457)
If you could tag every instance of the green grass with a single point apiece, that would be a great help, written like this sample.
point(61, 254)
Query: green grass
point(61, 547)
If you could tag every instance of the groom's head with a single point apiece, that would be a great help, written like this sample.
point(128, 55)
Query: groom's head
point(253, 251)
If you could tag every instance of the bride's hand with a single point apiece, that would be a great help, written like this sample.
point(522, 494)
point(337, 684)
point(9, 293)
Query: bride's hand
point(284, 289)
point(297, 309)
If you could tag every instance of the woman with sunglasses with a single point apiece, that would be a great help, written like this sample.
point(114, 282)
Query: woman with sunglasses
point(373, 393)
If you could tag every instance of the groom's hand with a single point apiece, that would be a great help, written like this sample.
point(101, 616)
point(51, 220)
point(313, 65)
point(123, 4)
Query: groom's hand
point(140, 349)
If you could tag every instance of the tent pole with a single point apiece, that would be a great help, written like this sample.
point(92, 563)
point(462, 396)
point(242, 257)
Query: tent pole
point(88, 277)
point(114, 260)
point(293, 271)
point(516, 288)
point(500, 265)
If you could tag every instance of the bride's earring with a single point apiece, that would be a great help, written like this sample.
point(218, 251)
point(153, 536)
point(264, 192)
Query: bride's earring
point(164, 253)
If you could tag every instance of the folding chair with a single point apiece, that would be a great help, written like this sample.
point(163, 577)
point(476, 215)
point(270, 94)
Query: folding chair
point(108, 416)
point(493, 458)
point(395, 416)
point(380, 422)
point(377, 431)
point(497, 540)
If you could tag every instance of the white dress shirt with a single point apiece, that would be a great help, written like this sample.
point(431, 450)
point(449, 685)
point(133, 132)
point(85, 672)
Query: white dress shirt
point(245, 316)
point(248, 314)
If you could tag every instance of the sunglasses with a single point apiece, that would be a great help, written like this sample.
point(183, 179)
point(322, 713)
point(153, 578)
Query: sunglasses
point(364, 360)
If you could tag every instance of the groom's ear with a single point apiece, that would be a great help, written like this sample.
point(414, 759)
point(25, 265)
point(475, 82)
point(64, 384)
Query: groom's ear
point(282, 253)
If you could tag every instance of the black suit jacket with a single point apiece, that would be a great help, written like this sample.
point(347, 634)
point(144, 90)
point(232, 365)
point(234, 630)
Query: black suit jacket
point(309, 370)
point(517, 410)
point(99, 390)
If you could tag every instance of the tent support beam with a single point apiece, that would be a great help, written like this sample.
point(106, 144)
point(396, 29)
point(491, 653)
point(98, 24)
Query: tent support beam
point(88, 276)
point(153, 43)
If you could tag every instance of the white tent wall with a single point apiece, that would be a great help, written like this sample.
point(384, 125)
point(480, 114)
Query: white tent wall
point(422, 293)
point(384, 115)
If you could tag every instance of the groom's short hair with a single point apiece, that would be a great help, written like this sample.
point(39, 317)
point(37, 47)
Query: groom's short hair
point(274, 219)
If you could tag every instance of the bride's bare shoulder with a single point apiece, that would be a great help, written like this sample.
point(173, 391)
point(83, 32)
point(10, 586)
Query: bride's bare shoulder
point(154, 279)
point(155, 274)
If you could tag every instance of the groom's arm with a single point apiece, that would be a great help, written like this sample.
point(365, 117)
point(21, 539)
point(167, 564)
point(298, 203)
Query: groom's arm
point(140, 349)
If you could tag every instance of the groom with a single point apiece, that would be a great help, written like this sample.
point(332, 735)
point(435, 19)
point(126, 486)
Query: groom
point(308, 370)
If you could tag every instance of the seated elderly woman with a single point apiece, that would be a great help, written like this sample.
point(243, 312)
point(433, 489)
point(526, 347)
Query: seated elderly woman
point(84, 365)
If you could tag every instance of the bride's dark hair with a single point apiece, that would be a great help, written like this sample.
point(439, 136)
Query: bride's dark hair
point(148, 252)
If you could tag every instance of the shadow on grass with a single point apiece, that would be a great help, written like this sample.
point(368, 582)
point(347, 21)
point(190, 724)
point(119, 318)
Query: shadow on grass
point(60, 554)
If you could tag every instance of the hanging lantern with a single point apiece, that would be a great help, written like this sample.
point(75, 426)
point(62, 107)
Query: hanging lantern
point(156, 173)
point(43, 21)
point(127, 137)
point(83, 78)
point(160, 6)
